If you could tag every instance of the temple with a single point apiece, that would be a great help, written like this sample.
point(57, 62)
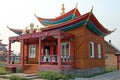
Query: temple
point(70, 43)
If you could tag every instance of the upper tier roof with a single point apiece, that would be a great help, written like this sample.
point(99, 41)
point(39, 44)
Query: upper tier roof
point(74, 13)
point(71, 20)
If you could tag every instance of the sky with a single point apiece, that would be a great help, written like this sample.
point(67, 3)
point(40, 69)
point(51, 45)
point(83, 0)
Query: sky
point(19, 14)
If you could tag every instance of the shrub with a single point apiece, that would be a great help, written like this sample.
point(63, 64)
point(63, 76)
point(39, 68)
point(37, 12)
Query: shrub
point(14, 77)
point(72, 76)
point(19, 70)
point(49, 75)
point(4, 77)
point(3, 71)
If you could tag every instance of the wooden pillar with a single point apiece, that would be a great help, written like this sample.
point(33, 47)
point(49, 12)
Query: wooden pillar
point(73, 53)
point(22, 54)
point(59, 51)
point(39, 56)
point(9, 52)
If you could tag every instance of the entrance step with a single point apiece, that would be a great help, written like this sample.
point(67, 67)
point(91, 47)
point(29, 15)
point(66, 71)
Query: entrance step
point(30, 68)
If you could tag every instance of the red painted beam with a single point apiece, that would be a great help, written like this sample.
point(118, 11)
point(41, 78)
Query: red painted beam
point(35, 35)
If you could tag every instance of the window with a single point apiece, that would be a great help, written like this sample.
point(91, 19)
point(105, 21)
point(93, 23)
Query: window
point(99, 51)
point(32, 51)
point(106, 57)
point(92, 50)
point(65, 48)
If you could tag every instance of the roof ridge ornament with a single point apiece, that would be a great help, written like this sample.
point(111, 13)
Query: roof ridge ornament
point(88, 16)
point(31, 28)
point(38, 29)
point(75, 10)
point(113, 30)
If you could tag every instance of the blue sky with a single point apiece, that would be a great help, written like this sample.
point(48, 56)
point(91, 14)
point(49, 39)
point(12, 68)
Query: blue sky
point(20, 13)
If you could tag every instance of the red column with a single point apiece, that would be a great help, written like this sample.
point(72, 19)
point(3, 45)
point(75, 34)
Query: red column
point(9, 52)
point(59, 51)
point(22, 54)
point(73, 53)
point(39, 51)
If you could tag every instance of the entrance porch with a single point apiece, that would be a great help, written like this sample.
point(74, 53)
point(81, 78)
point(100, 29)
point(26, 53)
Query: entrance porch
point(53, 50)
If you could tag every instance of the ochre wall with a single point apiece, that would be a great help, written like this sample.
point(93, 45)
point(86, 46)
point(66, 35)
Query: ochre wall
point(83, 37)
point(111, 61)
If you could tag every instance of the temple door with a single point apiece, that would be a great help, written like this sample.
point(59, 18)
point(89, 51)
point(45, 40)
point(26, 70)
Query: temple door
point(32, 54)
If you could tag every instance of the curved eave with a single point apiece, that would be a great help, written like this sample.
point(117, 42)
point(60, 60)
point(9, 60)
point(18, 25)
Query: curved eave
point(99, 25)
point(17, 31)
point(89, 25)
point(73, 13)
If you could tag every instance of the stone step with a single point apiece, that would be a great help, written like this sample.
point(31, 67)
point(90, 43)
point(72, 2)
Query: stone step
point(31, 77)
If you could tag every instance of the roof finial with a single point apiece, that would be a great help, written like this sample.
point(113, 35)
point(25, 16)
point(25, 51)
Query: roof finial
point(75, 10)
point(76, 5)
point(88, 16)
point(63, 10)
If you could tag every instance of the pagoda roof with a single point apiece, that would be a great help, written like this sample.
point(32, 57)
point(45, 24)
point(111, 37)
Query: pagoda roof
point(71, 20)
point(74, 13)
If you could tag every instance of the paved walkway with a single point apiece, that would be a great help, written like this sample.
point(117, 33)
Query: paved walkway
point(115, 75)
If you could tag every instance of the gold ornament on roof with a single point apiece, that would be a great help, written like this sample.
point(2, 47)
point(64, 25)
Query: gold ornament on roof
point(38, 29)
point(31, 28)
point(63, 10)
point(24, 31)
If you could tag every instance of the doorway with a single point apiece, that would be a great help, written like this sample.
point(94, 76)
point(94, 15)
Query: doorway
point(46, 53)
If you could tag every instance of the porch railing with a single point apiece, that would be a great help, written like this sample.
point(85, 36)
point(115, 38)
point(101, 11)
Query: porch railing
point(15, 59)
point(52, 59)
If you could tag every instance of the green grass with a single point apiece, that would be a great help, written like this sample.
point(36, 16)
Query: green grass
point(3, 71)
point(110, 68)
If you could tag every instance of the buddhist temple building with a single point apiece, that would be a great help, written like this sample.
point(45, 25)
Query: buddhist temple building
point(70, 43)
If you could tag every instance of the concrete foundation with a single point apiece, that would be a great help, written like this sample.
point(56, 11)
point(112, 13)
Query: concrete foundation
point(84, 72)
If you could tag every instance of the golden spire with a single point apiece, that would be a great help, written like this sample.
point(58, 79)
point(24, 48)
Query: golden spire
point(63, 10)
